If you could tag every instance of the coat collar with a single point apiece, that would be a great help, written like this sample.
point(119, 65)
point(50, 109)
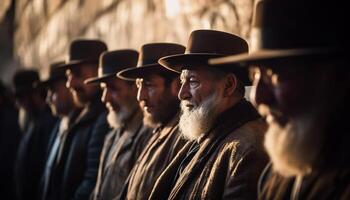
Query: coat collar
point(90, 112)
point(225, 124)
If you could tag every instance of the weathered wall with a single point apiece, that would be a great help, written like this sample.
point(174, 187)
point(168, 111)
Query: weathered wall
point(7, 64)
point(44, 28)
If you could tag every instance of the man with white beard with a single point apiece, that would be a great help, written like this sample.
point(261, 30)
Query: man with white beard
point(125, 142)
point(302, 88)
point(224, 156)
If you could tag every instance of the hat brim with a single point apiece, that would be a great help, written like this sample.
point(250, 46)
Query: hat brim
point(100, 79)
point(73, 63)
point(274, 56)
point(131, 74)
point(177, 62)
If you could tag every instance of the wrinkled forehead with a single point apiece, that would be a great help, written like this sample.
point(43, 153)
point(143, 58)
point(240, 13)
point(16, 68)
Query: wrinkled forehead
point(204, 72)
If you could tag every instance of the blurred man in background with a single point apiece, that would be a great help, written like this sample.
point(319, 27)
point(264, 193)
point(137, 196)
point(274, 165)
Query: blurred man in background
point(60, 100)
point(36, 122)
point(10, 135)
point(74, 174)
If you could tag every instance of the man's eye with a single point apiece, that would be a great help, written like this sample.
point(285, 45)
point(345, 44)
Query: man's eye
point(148, 84)
point(194, 83)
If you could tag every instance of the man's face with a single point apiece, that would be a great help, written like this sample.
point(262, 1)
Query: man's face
point(157, 99)
point(292, 99)
point(59, 98)
point(201, 98)
point(120, 100)
point(25, 101)
point(82, 93)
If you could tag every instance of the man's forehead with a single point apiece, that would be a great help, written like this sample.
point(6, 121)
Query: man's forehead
point(195, 71)
point(149, 77)
point(81, 67)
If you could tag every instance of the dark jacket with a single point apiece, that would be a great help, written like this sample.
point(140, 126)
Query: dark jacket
point(74, 175)
point(120, 152)
point(158, 153)
point(10, 136)
point(227, 164)
point(31, 155)
point(325, 184)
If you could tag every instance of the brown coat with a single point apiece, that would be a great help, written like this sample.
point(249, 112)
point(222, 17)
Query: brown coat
point(120, 152)
point(326, 184)
point(161, 149)
point(227, 164)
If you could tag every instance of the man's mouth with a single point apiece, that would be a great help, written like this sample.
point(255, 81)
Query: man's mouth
point(187, 105)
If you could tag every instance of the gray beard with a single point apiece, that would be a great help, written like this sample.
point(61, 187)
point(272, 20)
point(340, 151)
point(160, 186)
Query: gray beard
point(196, 122)
point(116, 119)
point(294, 148)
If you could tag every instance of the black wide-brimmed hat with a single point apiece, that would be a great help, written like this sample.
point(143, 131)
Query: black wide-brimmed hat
point(84, 51)
point(24, 81)
point(294, 30)
point(148, 60)
point(56, 73)
point(205, 44)
point(112, 62)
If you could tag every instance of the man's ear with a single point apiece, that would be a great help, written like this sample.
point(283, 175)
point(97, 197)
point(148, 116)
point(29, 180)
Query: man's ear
point(230, 85)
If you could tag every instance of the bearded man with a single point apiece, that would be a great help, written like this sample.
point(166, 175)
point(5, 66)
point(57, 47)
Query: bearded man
point(302, 88)
point(224, 156)
point(125, 142)
point(73, 175)
point(157, 95)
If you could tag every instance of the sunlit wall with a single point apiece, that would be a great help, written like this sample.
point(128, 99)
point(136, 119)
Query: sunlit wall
point(44, 28)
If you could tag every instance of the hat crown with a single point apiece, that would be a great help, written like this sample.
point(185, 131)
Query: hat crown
point(294, 24)
point(152, 52)
point(55, 71)
point(215, 42)
point(86, 50)
point(111, 62)
point(24, 80)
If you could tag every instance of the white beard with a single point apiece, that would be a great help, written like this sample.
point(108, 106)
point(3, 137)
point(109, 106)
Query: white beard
point(294, 148)
point(193, 123)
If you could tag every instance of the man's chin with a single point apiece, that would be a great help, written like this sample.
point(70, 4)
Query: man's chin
point(148, 120)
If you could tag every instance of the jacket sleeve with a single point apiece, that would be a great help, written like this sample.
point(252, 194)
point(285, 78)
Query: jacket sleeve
point(95, 145)
point(242, 181)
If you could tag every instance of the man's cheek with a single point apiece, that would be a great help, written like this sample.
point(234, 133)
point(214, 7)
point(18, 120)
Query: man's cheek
point(290, 98)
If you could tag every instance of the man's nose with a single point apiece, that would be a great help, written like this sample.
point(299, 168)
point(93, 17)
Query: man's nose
point(105, 96)
point(142, 94)
point(261, 93)
point(184, 92)
point(49, 97)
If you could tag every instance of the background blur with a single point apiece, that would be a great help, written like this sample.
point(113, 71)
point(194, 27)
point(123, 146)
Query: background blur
point(34, 33)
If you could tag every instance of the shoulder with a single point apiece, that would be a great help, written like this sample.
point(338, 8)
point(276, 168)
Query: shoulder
point(247, 138)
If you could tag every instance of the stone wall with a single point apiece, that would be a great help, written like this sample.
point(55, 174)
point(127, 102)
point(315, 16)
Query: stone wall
point(44, 28)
